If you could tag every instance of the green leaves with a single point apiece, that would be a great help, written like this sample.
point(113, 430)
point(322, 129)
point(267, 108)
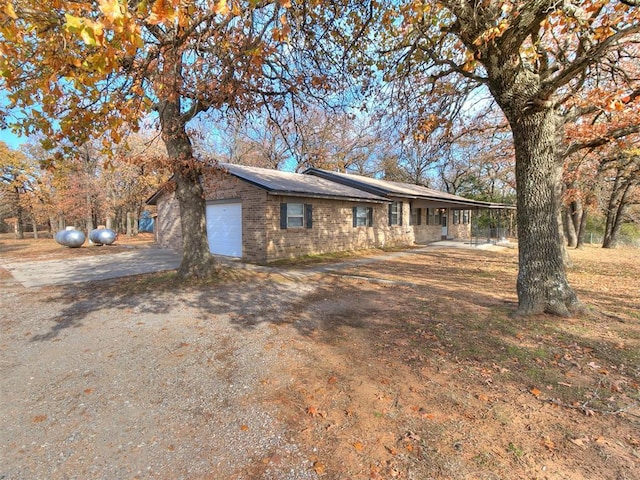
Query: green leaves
point(91, 32)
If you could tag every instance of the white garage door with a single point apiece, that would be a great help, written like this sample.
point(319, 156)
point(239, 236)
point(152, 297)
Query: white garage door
point(224, 229)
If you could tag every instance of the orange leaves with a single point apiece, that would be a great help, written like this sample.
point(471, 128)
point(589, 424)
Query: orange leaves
point(221, 7)
point(549, 444)
point(314, 412)
point(319, 467)
point(90, 31)
point(113, 10)
point(492, 33)
point(10, 11)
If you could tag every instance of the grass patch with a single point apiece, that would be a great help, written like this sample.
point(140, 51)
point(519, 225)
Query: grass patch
point(324, 258)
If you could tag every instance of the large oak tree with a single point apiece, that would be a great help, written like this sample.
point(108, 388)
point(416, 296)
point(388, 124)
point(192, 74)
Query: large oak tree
point(532, 56)
point(76, 69)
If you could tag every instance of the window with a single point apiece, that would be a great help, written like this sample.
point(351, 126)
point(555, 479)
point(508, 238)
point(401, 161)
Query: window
point(296, 215)
point(466, 214)
point(416, 216)
point(362, 216)
point(395, 213)
point(456, 217)
point(432, 217)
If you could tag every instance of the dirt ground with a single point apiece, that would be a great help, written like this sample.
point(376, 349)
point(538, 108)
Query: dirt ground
point(410, 368)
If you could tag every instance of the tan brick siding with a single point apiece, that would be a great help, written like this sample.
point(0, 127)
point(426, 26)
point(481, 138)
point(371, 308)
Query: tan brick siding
point(332, 230)
point(168, 228)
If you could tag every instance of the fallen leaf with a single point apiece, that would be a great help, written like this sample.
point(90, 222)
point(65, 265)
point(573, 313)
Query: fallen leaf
point(535, 392)
point(579, 441)
point(244, 428)
point(358, 446)
point(482, 397)
point(319, 468)
point(39, 418)
point(332, 380)
point(548, 443)
point(88, 390)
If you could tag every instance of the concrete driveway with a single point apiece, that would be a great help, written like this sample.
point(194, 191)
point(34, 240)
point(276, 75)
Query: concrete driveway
point(41, 273)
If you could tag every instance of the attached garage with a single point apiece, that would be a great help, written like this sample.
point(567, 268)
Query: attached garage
point(224, 228)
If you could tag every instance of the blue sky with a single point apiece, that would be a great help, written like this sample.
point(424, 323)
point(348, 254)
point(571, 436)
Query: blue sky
point(11, 139)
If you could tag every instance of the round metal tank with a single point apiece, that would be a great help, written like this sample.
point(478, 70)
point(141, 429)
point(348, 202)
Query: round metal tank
point(103, 236)
point(70, 238)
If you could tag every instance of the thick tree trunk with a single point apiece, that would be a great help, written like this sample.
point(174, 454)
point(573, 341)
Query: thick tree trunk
point(197, 260)
point(542, 283)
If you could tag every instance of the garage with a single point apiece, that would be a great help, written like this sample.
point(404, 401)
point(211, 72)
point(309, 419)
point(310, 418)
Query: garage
point(224, 229)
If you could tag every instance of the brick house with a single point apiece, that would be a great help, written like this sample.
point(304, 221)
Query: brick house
point(262, 215)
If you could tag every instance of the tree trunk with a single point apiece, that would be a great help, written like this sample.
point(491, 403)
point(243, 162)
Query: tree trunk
point(34, 224)
point(135, 218)
point(109, 222)
point(618, 202)
point(197, 260)
point(542, 283)
point(569, 228)
point(19, 226)
point(582, 228)
point(89, 220)
point(129, 230)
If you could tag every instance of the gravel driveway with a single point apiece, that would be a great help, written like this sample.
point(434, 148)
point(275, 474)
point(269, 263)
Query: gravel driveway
point(103, 382)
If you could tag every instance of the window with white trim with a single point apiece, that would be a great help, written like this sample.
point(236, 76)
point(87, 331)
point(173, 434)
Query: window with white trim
point(362, 216)
point(395, 213)
point(296, 215)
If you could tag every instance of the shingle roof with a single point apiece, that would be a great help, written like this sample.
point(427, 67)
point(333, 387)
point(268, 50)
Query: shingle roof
point(297, 184)
point(387, 189)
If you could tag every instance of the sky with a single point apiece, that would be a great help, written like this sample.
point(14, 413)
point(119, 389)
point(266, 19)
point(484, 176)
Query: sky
point(14, 141)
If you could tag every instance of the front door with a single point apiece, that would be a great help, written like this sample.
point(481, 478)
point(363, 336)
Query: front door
point(443, 223)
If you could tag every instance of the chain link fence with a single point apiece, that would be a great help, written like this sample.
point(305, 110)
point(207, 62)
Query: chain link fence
point(596, 238)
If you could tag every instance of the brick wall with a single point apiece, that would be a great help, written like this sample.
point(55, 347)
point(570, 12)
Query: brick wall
point(332, 229)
